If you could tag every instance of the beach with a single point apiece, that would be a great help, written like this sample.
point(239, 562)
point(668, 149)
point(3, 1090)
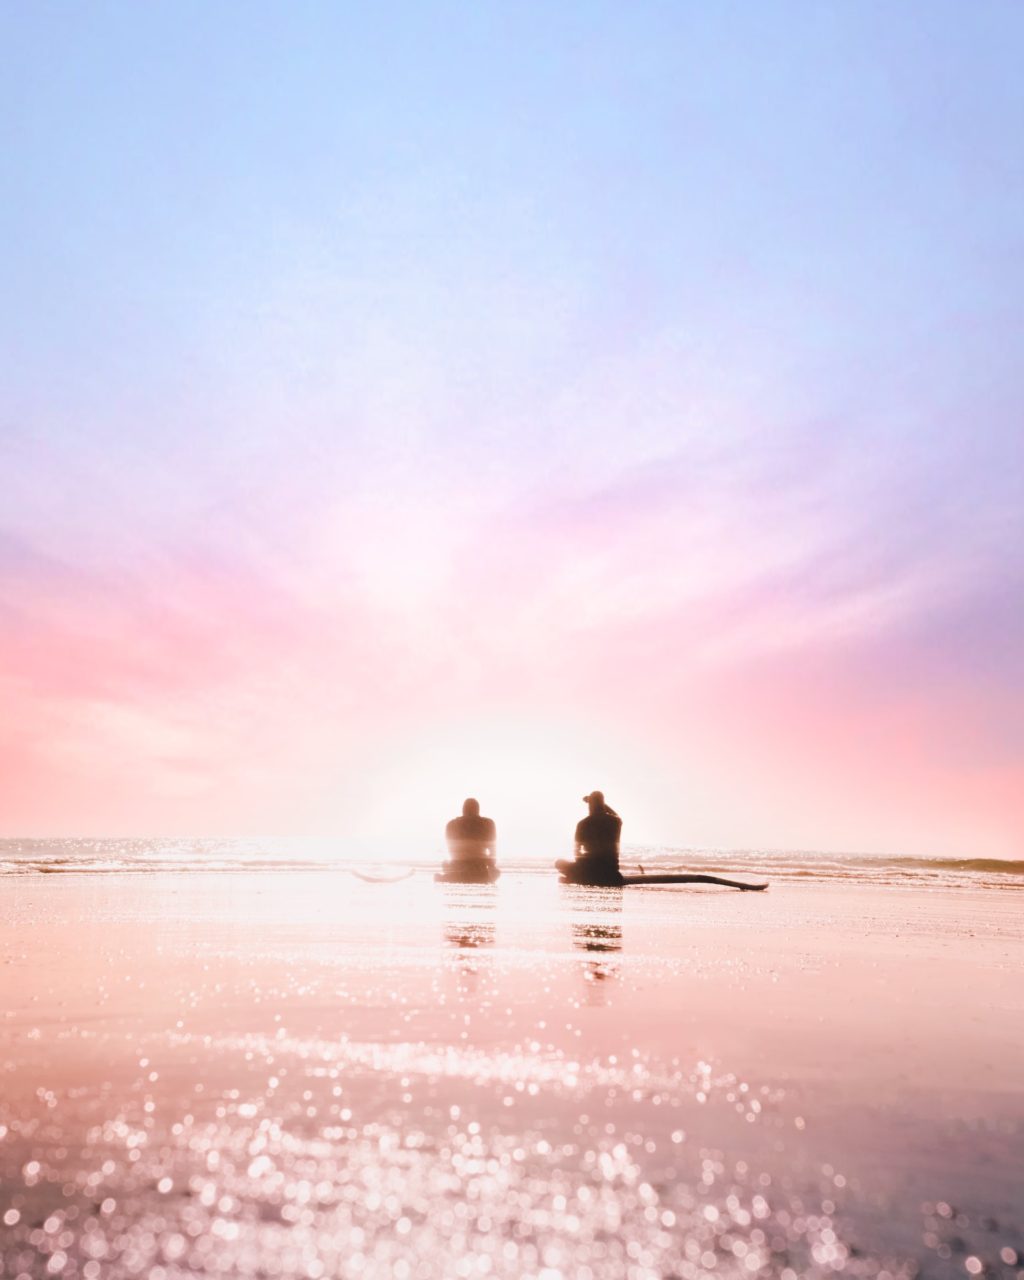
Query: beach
point(296, 1073)
point(491, 436)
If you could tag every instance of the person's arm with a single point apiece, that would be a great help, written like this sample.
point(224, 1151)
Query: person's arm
point(491, 847)
point(579, 839)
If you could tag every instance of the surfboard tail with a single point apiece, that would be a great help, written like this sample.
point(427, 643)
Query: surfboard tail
point(681, 878)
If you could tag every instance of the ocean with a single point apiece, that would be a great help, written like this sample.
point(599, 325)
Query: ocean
point(97, 855)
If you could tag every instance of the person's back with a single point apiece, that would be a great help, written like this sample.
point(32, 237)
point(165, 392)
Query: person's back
point(597, 845)
point(597, 836)
point(471, 838)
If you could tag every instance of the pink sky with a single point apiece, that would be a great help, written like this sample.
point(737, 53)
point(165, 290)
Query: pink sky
point(738, 680)
point(562, 409)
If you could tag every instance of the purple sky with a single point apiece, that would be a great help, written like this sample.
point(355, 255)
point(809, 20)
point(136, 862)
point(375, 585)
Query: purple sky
point(428, 401)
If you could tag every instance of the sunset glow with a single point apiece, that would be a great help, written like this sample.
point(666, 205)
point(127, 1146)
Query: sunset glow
point(536, 413)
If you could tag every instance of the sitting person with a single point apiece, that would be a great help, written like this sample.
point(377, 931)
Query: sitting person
point(597, 845)
point(471, 838)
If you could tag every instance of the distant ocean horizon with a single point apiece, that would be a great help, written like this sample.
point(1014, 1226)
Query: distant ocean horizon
point(119, 855)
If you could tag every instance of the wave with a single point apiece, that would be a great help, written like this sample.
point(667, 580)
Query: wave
point(816, 864)
point(987, 866)
point(848, 868)
point(69, 856)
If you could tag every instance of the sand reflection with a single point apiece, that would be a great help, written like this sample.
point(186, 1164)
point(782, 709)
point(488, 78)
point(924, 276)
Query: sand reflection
point(468, 931)
point(596, 928)
point(294, 1076)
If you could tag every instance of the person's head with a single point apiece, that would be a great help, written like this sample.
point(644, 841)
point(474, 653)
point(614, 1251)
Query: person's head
point(595, 800)
point(471, 808)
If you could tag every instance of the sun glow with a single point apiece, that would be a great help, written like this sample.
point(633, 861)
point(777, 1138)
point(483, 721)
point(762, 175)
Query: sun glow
point(529, 776)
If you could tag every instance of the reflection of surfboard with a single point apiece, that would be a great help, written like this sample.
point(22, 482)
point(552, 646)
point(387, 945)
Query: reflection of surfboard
point(468, 873)
point(571, 873)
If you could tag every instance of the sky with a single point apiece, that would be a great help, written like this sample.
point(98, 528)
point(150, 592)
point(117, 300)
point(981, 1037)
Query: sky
point(412, 401)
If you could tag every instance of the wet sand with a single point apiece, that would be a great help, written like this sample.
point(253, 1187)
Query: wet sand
point(276, 1074)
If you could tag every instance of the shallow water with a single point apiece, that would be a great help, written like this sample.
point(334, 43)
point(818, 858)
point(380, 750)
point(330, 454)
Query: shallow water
point(299, 1074)
point(72, 855)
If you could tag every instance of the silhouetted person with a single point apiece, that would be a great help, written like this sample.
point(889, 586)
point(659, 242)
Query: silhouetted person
point(471, 838)
point(597, 845)
point(597, 855)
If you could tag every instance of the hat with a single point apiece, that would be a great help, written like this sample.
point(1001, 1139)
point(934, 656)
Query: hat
point(595, 797)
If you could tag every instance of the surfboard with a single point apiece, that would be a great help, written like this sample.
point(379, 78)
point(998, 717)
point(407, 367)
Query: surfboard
point(691, 879)
point(622, 881)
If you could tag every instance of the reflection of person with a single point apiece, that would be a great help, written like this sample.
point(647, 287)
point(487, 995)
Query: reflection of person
point(601, 942)
point(597, 845)
point(471, 838)
point(597, 937)
point(468, 934)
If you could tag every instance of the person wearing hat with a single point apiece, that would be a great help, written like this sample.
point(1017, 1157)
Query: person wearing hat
point(597, 845)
